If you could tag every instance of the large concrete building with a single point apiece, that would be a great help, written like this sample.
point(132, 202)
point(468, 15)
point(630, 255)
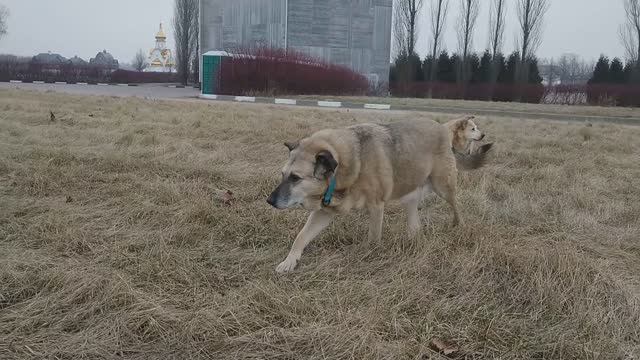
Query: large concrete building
point(354, 33)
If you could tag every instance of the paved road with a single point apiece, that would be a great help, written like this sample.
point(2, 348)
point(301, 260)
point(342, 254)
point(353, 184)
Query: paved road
point(163, 92)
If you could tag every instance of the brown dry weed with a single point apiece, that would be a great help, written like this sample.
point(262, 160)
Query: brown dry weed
point(113, 243)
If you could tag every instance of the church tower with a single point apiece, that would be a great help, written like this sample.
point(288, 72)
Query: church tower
point(160, 58)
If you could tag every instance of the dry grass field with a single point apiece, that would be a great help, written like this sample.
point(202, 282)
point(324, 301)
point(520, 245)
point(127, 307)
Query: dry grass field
point(113, 244)
point(624, 112)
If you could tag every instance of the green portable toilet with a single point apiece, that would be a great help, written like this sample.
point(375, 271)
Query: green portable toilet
point(211, 63)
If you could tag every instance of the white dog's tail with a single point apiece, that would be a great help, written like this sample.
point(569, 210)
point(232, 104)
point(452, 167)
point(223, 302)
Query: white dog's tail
point(473, 161)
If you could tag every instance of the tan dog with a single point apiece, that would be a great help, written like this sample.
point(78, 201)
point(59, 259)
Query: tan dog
point(465, 139)
point(365, 166)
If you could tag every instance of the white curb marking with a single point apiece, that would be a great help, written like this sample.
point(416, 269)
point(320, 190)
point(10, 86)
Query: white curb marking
point(334, 104)
point(377, 106)
point(15, 81)
point(286, 102)
point(245, 99)
point(208, 96)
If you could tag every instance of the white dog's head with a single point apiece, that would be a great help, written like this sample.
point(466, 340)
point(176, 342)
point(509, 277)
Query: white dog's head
point(462, 132)
point(472, 132)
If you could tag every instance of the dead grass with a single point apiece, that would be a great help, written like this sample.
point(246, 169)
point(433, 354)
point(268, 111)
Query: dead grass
point(112, 243)
point(486, 105)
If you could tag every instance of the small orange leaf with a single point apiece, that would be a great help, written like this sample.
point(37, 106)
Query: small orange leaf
point(443, 347)
point(225, 196)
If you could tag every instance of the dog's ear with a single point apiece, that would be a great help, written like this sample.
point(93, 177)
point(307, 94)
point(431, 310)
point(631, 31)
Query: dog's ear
point(325, 165)
point(462, 123)
point(291, 145)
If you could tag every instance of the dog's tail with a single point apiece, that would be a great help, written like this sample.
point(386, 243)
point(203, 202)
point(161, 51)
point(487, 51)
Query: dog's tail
point(473, 161)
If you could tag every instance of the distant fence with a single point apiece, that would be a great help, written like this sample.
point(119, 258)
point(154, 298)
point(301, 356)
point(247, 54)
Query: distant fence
point(566, 95)
point(593, 94)
point(136, 77)
point(271, 72)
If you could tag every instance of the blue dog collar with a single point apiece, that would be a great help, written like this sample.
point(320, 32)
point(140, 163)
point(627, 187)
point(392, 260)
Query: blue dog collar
point(328, 195)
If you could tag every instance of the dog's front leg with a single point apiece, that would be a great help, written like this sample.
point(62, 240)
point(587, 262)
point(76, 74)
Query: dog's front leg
point(318, 221)
point(376, 215)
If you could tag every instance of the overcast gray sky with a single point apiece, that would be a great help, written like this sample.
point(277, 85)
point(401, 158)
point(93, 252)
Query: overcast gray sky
point(84, 27)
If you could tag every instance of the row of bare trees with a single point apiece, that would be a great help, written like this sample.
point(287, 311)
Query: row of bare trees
point(530, 18)
point(568, 69)
point(530, 14)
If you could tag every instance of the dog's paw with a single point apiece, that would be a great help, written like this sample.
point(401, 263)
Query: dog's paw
point(287, 265)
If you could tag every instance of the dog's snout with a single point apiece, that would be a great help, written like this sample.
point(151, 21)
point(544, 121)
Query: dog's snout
point(271, 200)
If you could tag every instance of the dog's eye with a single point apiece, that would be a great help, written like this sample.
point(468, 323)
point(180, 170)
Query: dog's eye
point(294, 178)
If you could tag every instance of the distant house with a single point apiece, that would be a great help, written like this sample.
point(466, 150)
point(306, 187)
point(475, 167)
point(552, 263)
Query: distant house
point(49, 62)
point(105, 61)
point(76, 61)
point(49, 58)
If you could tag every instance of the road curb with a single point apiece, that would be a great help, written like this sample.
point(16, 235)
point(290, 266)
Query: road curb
point(294, 102)
point(39, 82)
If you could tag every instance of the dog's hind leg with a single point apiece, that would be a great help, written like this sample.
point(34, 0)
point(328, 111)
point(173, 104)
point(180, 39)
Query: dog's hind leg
point(318, 221)
point(376, 216)
point(411, 202)
point(444, 184)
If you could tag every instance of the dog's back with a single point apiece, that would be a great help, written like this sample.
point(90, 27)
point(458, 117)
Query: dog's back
point(400, 156)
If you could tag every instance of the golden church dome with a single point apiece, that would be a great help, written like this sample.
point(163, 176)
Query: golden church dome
point(161, 34)
point(160, 58)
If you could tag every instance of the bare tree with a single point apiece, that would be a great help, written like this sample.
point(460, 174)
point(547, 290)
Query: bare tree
point(531, 19)
point(466, 26)
point(549, 71)
point(630, 31)
point(196, 60)
point(139, 61)
point(497, 21)
point(185, 27)
point(438, 13)
point(399, 30)
point(407, 23)
point(4, 14)
point(572, 70)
